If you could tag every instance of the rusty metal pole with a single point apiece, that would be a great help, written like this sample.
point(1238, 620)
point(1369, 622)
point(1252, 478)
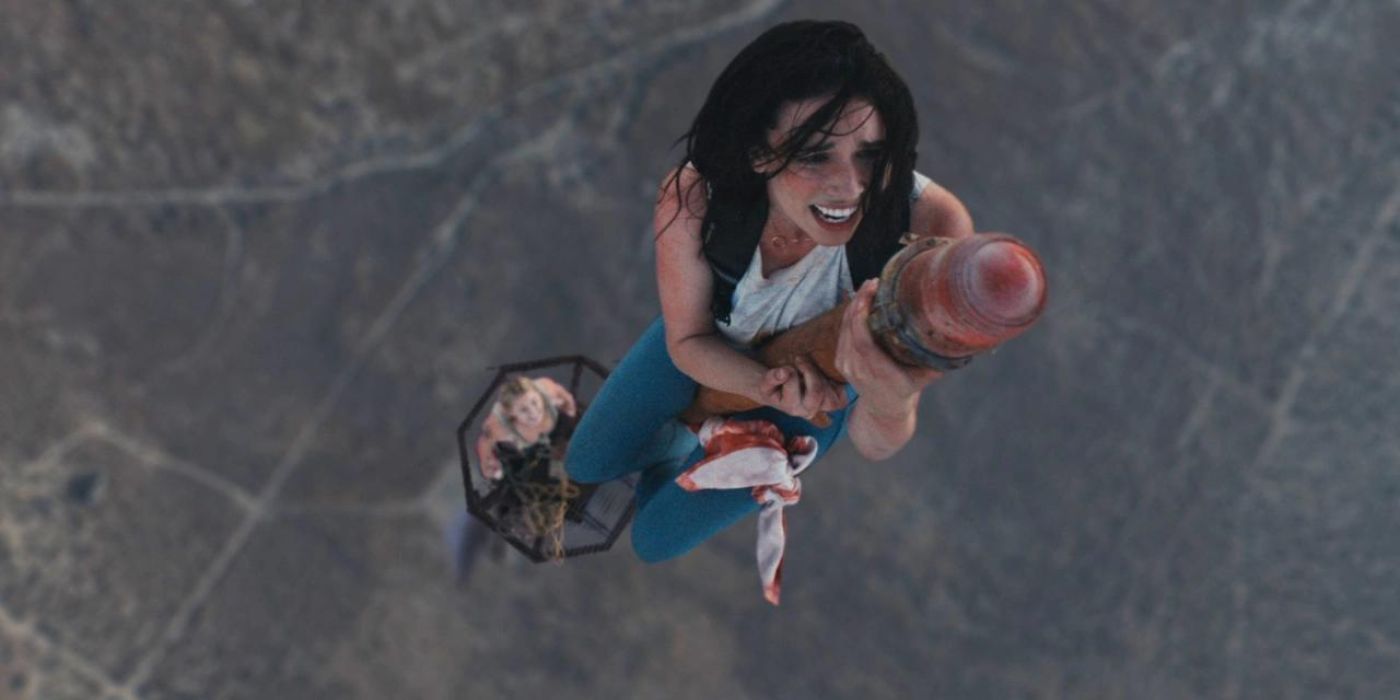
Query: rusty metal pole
point(940, 303)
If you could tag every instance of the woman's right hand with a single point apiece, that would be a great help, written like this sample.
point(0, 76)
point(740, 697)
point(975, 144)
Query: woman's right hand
point(492, 469)
point(801, 390)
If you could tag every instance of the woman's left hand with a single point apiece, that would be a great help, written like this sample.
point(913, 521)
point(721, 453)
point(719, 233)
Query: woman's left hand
point(885, 386)
point(563, 400)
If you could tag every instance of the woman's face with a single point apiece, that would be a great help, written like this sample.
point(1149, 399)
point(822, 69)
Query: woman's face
point(819, 192)
point(527, 410)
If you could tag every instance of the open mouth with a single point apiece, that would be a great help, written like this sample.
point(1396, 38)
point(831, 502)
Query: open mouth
point(834, 215)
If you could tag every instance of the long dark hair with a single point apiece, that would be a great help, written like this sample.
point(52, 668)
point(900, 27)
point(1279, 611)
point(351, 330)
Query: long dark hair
point(790, 62)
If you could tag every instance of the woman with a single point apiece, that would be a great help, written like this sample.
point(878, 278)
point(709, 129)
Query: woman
point(796, 186)
point(525, 415)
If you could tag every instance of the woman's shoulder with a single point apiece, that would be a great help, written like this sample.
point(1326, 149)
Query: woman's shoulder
point(683, 197)
point(938, 212)
point(690, 181)
point(921, 182)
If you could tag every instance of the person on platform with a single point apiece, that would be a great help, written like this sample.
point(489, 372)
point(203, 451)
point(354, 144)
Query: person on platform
point(526, 415)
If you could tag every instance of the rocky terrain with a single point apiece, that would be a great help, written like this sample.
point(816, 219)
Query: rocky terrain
point(257, 260)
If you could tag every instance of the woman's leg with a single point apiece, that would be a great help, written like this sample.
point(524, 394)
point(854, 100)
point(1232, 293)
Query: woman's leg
point(671, 521)
point(642, 395)
point(631, 425)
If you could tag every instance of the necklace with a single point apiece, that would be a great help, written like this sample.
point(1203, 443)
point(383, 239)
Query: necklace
point(778, 241)
point(773, 231)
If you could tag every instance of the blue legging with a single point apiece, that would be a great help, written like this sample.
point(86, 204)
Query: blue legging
point(631, 426)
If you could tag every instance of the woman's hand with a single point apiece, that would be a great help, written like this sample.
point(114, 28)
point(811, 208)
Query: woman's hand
point(566, 404)
point(800, 390)
point(885, 386)
point(492, 469)
point(489, 464)
point(558, 395)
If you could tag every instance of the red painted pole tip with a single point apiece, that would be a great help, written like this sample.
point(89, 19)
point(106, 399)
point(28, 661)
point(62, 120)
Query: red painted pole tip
point(972, 294)
point(1006, 284)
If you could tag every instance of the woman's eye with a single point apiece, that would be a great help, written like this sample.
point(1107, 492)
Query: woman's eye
point(870, 155)
point(811, 158)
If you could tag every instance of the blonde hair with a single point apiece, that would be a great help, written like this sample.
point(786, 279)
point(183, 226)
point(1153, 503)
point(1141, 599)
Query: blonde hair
point(515, 387)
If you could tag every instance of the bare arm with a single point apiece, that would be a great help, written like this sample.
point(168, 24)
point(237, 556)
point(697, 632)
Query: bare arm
point(937, 212)
point(486, 449)
point(558, 395)
point(886, 416)
point(878, 436)
point(684, 282)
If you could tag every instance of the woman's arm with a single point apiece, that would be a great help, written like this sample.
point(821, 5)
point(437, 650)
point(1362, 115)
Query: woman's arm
point(486, 449)
point(558, 395)
point(886, 414)
point(878, 436)
point(684, 282)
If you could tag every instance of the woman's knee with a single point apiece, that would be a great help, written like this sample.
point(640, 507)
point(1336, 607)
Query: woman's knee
point(672, 521)
point(590, 453)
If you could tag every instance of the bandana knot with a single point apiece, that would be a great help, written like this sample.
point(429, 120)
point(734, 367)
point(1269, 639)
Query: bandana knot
point(755, 454)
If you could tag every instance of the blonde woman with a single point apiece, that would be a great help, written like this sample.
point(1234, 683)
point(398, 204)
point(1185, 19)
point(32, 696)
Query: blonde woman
point(526, 414)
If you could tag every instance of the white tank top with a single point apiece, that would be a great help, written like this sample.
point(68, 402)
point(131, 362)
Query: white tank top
point(763, 307)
